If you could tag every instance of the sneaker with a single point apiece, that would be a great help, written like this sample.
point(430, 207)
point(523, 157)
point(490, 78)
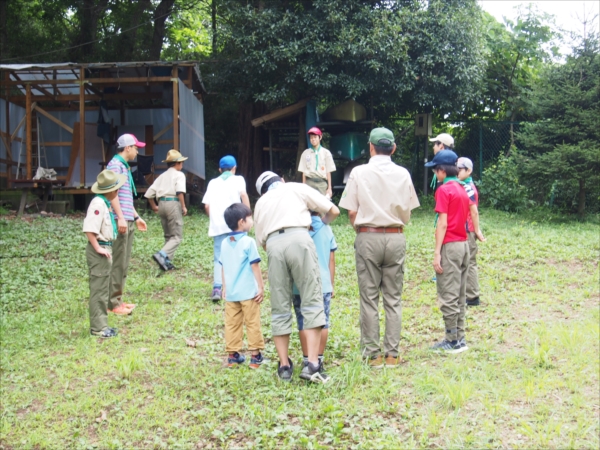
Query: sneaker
point(234, 359)
point(392, 361)
point(285, 372)
point(170, 265)
point(256, 361)
point(449, 347)
point(463, 343)
point(313, 373)
point(473, 302)
point(375, 362)
point(161, 261)
point(129, 305)
point(105, 333)
point(121, 310)
point(216, 294)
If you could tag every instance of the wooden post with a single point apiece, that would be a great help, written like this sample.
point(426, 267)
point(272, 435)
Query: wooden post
point(175, 78)
point(82, 127)
point(28, 175)
point(8, 140)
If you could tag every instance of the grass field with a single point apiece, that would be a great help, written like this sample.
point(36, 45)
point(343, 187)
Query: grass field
point(529, 380)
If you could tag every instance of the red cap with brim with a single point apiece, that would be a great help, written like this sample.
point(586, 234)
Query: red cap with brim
point(129, 139)
point(315, 130)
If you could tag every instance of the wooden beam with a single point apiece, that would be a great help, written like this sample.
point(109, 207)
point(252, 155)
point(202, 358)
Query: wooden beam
point(28, 108)
point(14, 134)
point(53, 119)
point(175, 79)
point(58, 144)
point(163, 141)
point(82, 131)
point(89, 97)
point(279, 113)
point(161, 132)
point(77, 82)
point(7, 142)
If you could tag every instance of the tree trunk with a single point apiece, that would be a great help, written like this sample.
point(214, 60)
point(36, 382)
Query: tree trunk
point(302, 144)
point(250, 146)
point(162, 13)
point(213, 16)
point(89, 14)
point(581, 205)
point(127, 40)
point(3, 30)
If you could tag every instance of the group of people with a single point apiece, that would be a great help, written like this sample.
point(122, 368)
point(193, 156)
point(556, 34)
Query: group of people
point(291, 222)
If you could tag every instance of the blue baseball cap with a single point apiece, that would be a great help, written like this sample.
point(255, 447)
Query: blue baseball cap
point(227, 162)
point(445, 157)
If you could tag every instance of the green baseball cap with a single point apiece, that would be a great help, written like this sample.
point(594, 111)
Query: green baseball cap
point(381, 137)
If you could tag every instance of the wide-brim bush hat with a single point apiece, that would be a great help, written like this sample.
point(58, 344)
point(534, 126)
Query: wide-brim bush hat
point(173, 156)
point(108, 181)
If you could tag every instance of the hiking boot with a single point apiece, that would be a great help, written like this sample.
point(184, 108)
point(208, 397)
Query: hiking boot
point(105, 333)
point(314, 373)
point(473, 302)
point(449, 347)
point(256, 361)
point(121, 310)
point(392, 361)
point(234, 359)
point(285, 372)
point(161, 261)
point(375, 362)
point(216, 294)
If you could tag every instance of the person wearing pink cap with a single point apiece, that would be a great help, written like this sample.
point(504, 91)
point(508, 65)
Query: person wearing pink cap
point(127, 219)
point(316, 164)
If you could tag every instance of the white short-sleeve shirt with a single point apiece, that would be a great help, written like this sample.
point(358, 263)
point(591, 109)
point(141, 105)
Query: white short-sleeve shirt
point(220, 194)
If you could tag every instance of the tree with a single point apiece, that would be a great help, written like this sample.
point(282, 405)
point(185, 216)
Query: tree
point(563, 146)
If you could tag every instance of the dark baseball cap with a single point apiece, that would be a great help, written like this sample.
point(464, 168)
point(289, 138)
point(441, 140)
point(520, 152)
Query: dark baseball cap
point(445, 157)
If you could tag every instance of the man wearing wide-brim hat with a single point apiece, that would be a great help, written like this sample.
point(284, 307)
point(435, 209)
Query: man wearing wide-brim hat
point(100, 228)
point(169, 188)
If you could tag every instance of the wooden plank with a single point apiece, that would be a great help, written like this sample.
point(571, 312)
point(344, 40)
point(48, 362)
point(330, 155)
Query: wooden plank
point(82, 133)
point(161, 132)
point(164, 141)
point(175, 108)
point(74, 143)
point(149, 149)
point(28, 108)
point(20, 99)
point(58, 144)
point(75, 82)
point(280, 113)
point(53, 119)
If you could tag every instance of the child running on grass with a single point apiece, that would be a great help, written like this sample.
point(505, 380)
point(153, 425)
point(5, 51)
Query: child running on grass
point(465, 169)
point(451, 257)
point(324, 240)
point(242, 287)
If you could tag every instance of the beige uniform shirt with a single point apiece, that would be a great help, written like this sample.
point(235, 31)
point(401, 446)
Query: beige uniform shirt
point(287, 206)
point(97, 221)
point(167, 184)
point(316, 164)
point(381, 192)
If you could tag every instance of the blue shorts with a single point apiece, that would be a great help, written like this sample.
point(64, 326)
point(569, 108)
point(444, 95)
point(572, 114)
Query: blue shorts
point(300, 318)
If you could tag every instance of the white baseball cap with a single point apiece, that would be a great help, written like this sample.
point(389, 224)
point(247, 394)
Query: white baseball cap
point(464, 163)
point(263, 178)
point(444, 138)
point(129, 139)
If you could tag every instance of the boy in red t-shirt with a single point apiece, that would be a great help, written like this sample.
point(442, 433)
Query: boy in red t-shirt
point(451, 257)
point(465, 169)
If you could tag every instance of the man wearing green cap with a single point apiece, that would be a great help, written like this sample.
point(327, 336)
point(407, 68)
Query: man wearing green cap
point(379, 197)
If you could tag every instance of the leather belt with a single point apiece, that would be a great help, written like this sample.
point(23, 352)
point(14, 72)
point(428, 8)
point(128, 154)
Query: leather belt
point(380, 230)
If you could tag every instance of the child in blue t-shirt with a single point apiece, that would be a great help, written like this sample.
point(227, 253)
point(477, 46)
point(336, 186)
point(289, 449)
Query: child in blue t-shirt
point(326, 246)
point(243, 287)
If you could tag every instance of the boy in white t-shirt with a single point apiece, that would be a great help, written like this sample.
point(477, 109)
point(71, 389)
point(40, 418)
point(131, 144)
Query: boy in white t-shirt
point(221, 193)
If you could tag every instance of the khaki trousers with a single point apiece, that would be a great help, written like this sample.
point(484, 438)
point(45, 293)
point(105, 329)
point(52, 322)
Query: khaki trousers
point(236, 315)
point(121, 256)
point(451, 288)
point(380, 267)
point(472, 274)
point(99, 271)
point(293, 259)
point(171, 219)
point(319, 184)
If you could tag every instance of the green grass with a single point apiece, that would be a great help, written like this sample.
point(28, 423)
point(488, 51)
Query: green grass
point(529, 380)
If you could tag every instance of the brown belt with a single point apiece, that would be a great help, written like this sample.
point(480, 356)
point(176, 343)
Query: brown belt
point(379, 230)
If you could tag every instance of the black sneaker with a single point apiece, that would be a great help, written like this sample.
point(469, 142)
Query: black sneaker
point(473, 302)
point(170, 265)
point(463, 343)
point(285, 372)
point(161, 261)
point(105, 333)
point(449, 347)
point(313, 373)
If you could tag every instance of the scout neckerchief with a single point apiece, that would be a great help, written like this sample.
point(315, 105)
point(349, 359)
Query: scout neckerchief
point(112, 217)
point(446, 180)
point(225, 175)
point(316, 151)
point(126, 164)
point(467, 180)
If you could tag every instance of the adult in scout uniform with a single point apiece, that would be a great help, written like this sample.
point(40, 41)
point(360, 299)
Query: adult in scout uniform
point(127, 219)
point(316, 164)
point(379, 197)
point(281, 220)
point(101, 230)
point(169, 188)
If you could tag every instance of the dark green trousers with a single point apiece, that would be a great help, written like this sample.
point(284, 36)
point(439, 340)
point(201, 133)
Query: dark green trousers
point(99, 271)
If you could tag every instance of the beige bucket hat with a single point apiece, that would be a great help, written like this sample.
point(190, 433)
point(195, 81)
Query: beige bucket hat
point(108, 181)
point(174, 156)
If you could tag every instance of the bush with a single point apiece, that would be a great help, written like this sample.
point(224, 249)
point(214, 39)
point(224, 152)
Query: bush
point(500, 187)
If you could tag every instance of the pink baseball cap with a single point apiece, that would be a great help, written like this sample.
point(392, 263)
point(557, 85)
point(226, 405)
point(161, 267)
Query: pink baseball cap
point(129, 139)
point(315, 130)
